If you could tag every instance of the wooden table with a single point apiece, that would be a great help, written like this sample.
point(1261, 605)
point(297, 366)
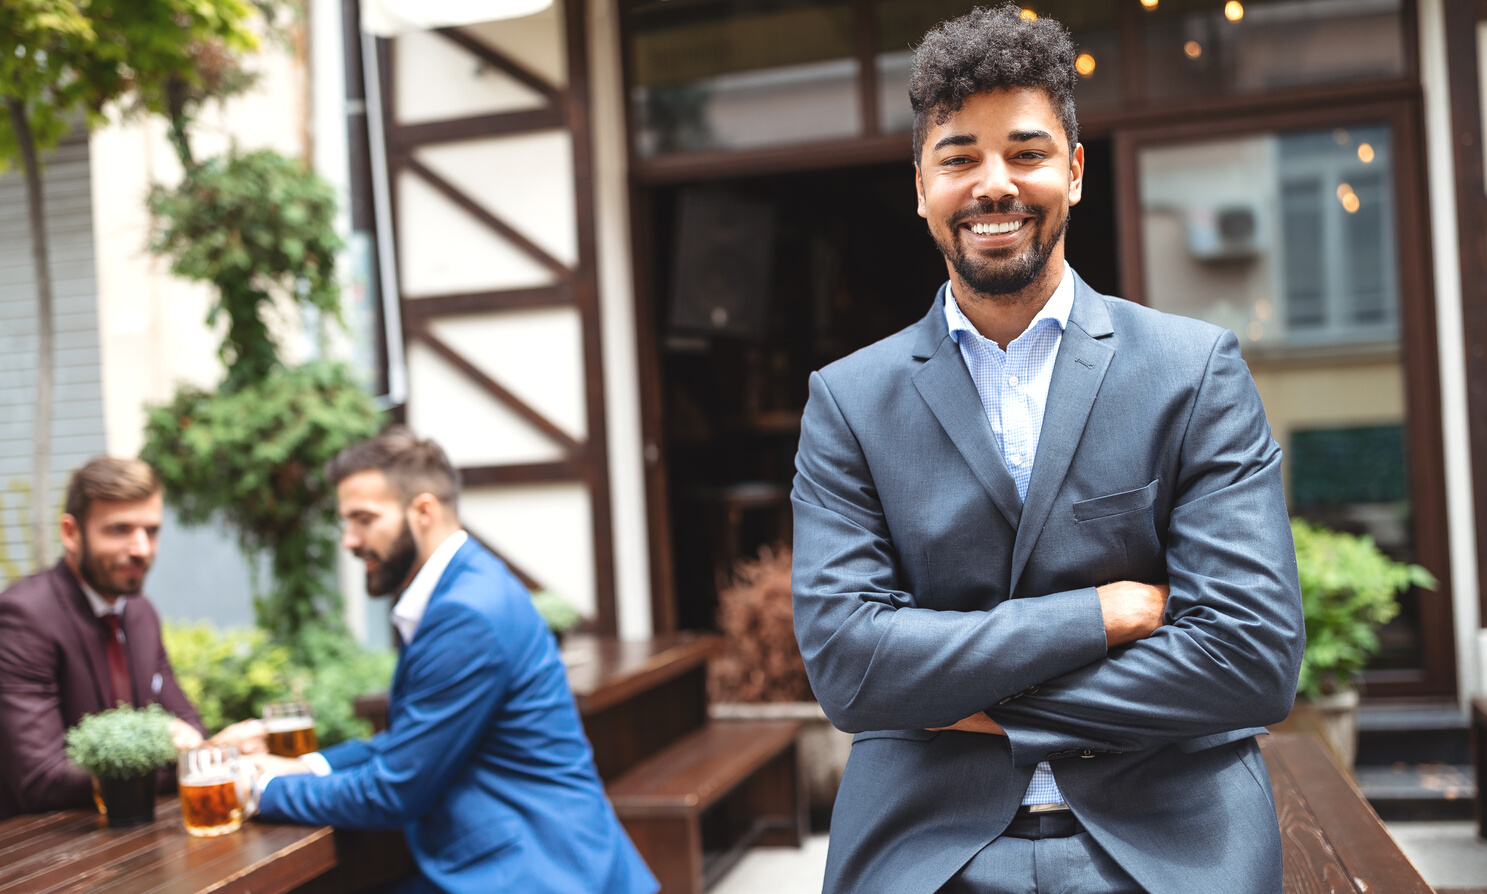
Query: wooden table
point(75, 850)
point(1331, 839)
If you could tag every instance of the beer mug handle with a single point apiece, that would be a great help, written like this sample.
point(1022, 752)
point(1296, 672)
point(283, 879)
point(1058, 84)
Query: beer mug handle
point(248, 788)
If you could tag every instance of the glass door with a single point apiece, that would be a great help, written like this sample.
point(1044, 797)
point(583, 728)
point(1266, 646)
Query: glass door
point(1306, 242)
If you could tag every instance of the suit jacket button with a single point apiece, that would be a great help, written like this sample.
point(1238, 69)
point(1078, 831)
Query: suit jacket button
point(1030, 690)
point(1086, 753)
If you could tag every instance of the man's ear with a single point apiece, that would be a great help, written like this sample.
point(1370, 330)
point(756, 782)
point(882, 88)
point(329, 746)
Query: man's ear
point(72, 533)
point(919, 190)
point(421, 511)
point(1076, 175)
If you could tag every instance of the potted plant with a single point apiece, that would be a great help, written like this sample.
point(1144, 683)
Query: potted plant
point(560, 616)
point(1348, 587)
point(123, 748)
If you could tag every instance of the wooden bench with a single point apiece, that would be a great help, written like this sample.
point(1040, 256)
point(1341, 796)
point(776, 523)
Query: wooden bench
point(1332, 842)
point(694, 794)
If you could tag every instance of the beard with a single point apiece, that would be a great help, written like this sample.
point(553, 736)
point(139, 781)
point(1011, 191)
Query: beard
point(110, 579)
point(1002, 274)
point(391, 569)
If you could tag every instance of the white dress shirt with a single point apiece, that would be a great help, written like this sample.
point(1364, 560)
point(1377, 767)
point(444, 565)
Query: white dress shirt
point(1013, 385)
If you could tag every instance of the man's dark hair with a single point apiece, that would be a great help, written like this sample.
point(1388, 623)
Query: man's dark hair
point(991, 49)
point(109, 479)
point(412, 465)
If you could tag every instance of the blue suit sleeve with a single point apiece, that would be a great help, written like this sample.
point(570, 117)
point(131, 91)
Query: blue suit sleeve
point(876, 659)
point(455, 677)
point(349, 753)
point(1230, 652)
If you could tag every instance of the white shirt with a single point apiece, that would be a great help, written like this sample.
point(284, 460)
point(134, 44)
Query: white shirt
point(1013, 386)
point(408, 613)
point(101, 606)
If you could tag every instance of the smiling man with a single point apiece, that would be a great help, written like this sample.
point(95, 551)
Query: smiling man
point(1042, 565)
point(484, 764)
point(80, 638)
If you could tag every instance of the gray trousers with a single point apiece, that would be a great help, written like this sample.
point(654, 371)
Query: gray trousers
point(1070, 865)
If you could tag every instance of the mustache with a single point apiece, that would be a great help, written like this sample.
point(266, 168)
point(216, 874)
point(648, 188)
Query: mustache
point(1004, 206)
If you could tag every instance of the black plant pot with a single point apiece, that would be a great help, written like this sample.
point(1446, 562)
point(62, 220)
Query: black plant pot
point(130, 802)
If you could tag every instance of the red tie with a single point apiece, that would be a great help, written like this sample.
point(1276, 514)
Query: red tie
point(118, 665)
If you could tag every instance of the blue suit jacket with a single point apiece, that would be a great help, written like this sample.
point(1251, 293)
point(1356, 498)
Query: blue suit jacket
point(484, 764)
point(926, 591)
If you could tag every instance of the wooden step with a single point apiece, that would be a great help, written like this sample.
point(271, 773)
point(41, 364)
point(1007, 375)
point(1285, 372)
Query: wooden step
point(692, 773)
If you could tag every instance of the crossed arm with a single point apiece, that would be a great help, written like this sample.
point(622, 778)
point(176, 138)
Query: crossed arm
point(1130, 610)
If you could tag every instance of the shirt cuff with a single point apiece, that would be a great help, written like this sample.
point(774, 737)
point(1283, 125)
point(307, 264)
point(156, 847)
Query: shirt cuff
point(317, 763)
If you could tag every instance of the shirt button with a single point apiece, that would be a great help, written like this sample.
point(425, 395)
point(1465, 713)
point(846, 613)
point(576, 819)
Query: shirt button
point(1012, 380)
point(1016, 459)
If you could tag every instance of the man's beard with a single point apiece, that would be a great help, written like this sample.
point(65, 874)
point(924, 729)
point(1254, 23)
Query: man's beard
point(1001, 275)
point(96, 572)
point(391, 570)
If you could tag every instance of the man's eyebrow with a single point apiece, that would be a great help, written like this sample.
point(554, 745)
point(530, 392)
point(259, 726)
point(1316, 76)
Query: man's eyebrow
point(1028, 136)
point(955, 139)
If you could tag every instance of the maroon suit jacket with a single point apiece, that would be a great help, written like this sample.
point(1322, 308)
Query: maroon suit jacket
point(53, 670)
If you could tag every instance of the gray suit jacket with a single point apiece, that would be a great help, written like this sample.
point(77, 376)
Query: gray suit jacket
point(926, 591)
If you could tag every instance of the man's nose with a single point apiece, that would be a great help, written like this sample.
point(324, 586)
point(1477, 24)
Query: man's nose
point(139, 543)
point(350, 540)
point(995, 181)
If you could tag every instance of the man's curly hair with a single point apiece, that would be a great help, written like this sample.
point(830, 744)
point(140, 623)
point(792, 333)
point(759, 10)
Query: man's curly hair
point(991, 49)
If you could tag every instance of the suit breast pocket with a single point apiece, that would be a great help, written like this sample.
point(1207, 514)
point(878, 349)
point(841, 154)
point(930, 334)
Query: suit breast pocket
point(1118, 534)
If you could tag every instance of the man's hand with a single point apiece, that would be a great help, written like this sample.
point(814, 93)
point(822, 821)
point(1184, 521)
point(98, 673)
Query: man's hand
point(976, 723)
point(249, 736)
point(274, 765)
point(1132, 611)
point(183, 735)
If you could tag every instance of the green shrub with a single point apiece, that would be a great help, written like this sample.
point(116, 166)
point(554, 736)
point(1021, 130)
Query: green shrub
point(1347, 591)
point(559, 614)
point(230, 675)
point(122, 743)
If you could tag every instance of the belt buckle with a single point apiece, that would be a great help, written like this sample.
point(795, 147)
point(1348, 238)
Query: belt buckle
point(1039, 809)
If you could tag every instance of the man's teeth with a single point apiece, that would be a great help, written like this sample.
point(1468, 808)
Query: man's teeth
point(996, 229)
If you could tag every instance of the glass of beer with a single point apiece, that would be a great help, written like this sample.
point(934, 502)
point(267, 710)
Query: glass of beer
point(290, 727)
point(216, 790)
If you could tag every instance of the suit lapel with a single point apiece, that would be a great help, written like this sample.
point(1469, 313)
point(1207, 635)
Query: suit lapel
point(1084, 354)
point(945, 385)
point(84, 625)
point(141, 648)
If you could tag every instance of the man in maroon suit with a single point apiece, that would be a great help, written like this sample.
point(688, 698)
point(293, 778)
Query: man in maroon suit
point(79, 638)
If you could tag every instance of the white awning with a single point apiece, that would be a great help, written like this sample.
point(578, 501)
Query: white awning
point(389, 18)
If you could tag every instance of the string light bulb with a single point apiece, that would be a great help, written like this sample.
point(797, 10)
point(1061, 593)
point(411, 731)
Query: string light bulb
point(1233, 10)
point(1085, 64)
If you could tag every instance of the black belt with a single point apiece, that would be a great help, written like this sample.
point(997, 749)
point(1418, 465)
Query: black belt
point(1032, 825)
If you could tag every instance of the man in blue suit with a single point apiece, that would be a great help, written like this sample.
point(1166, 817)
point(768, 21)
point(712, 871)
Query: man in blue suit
point(484, 763)
point(1043, 567)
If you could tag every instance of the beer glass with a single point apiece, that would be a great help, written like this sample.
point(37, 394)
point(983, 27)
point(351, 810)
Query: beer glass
point(290, 727)
point(216, 790)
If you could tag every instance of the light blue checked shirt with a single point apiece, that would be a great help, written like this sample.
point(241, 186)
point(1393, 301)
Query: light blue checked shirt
point(1013, 385)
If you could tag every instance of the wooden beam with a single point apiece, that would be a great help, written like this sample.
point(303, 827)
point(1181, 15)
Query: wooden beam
point(406, 137)
point(503, 63)
point(522, 473)
point(429, 307)
point(517, 405)
point(480, 213)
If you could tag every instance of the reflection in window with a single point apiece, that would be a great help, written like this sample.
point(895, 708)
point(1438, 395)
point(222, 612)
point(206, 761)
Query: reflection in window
point(1288, 240)
point(1201, 47)
point(729, 74)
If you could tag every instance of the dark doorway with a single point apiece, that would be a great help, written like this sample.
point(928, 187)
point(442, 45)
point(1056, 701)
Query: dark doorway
point(849, 262)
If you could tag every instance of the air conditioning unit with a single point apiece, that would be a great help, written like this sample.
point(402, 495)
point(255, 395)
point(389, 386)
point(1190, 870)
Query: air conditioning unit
point(1223, 233)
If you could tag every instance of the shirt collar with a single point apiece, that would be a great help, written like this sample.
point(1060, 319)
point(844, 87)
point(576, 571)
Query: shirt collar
point(408, 613)
point(1057, 308)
